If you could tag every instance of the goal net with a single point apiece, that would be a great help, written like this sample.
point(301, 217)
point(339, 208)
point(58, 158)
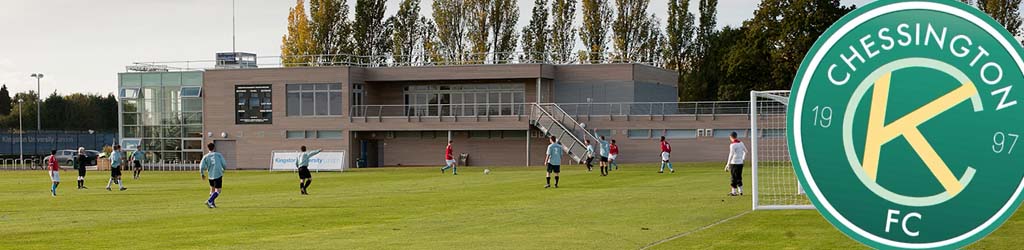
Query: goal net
point(775, 185)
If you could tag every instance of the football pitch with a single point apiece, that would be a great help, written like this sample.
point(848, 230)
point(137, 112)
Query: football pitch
point(414, 208)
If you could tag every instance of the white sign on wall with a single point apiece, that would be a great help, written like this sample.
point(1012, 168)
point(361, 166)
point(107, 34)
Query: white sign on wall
point(324, 161)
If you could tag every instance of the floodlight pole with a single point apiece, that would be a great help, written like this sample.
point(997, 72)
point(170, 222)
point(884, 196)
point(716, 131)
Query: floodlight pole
point(21, 135)
point(39, 97)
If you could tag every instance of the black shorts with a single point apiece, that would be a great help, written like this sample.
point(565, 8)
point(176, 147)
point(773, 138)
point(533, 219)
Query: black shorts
point(304, 173)
point(81, 171)
point(554, 168)
point(217, 183)
point(115, 172)
point(736, 174)
point(138, 165)
point(604, 158)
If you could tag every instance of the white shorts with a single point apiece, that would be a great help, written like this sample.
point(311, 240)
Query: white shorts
point(55, 176)
point(664, 156)
point(612, 157)
point(449, 162)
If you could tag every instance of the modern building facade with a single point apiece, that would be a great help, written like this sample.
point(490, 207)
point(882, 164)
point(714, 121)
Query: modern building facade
point(498, 114)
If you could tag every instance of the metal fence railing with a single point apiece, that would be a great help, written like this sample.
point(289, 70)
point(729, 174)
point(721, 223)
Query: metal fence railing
point(439, 110)
point(36, 164)
point(577, 110)
point(414, 59)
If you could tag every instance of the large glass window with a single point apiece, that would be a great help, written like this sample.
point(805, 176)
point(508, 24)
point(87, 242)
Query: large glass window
point(323, 99)
point(465, 99)
point(159, 113)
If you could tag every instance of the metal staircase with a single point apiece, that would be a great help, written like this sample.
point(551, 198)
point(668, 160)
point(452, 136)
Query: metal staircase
point(551, 119)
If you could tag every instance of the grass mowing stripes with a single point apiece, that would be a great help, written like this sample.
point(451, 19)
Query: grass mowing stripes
point(407, 208)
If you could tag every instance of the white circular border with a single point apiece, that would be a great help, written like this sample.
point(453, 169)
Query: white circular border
point(805, 81)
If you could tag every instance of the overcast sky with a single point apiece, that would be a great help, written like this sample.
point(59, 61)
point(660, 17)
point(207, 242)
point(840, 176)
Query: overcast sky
point(80, 46)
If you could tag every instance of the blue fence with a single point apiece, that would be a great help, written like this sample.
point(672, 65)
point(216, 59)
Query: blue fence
point(40, 143)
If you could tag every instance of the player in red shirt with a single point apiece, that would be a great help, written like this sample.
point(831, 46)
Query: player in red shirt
point(613, 152)
point(666, 149)
point(54, 172)
point(449, 161)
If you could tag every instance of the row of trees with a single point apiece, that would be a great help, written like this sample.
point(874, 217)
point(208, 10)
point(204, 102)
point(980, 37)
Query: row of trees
point(473, 31)
point(713, 64)
point(69, 112)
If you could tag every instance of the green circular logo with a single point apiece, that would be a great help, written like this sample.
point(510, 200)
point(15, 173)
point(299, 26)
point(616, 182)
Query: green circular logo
point(904, 122)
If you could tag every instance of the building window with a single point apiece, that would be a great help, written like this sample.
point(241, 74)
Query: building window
point(129, 93)
point(253, 104)
point(681, 134)
point(323, 99)
point(328, 134)
point(465, 100)
point(638, 133)
point(300, 134)
point(191, 91)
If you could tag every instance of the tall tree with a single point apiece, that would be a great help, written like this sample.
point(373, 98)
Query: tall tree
point(478, 29)
point(563, 34)
point(56, 112)
point(535, 34)
point(450, 20)
point(430, 43)
point(407, 35)
point(504, 17)
point(297, 45)
point(1006, 12)
point(330, 30)
point(650, 50)
point(679, 35)
point(597, 21)
point(5, 101)
point(370, 32)
point(708, 20)
point(630, 18)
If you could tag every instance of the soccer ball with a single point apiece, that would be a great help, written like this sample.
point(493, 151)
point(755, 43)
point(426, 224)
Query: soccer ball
point(487, 171)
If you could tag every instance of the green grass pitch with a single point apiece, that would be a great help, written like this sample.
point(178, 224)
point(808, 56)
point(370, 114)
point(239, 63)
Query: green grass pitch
point(414, 208)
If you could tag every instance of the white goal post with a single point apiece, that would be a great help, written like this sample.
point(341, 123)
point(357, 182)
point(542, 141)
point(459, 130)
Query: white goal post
point(775, 185)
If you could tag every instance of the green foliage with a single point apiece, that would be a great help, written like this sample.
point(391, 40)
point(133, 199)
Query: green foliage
point(298, 43)
point(630, 19)
point(407, 36)
point(78, 112)
point(478, 29)
point(563, 36)
point(450, 20)
point(597, 22)
point(5, 101)
point(331, 30)
point(370, 32)
point(679, 32)
point(504, 17)
point(537, 33)
point(1006, 12)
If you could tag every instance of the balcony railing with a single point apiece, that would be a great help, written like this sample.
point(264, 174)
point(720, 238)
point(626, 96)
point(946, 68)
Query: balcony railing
point(577, 110)
point(439, 110)
point(399, 60)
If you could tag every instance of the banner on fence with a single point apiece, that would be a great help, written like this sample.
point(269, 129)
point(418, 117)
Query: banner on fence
point(325, 161)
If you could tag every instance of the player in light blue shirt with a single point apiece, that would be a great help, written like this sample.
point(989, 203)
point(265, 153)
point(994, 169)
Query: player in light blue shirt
point(137, 159)
point(302, 164)
point(604, 156)
point(213, 166)
point(116, 161)
point(553, 160)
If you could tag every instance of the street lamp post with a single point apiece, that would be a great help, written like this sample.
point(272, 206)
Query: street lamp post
point(39, 98)
point(21, 135)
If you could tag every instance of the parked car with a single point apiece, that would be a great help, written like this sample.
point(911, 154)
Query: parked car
point(66, 158)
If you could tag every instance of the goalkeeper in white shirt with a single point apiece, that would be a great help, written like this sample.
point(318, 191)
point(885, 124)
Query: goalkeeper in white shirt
point(734, 165)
